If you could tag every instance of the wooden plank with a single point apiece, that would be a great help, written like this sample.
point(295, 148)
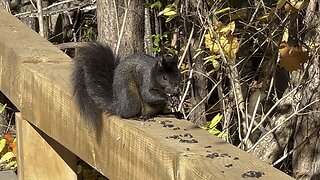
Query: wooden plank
point(20, 44)
point(128, 149)
point(40, 157)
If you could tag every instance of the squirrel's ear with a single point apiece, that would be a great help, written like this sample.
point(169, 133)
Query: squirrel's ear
point(167, 61)
point(161, 62)
point(175, 59)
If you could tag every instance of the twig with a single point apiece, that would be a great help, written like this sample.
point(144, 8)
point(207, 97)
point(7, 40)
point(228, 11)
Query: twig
point(186, 91)
point(252, 121)
point(72, 29)
point(187, 46)
point(40, 18)
point(56, 4)
point(276, 127)
point(208, 95)
point(122, 27)
point(34, 6)
point(298, 146)
point(273, 107)
point(59, 11)
point(117, 19)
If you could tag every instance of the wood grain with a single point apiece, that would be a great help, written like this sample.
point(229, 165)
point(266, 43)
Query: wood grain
point(43, 157)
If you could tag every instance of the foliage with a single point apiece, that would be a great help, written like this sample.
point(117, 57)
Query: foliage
point(170, 12)
point(3, 107)
point(8, 152)
point(211, 127)
point(161, 43)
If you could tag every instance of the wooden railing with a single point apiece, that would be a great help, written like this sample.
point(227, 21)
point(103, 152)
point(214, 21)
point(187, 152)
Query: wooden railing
point(35, 76)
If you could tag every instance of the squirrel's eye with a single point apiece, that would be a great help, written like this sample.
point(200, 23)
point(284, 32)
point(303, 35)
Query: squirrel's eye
point(164, 78)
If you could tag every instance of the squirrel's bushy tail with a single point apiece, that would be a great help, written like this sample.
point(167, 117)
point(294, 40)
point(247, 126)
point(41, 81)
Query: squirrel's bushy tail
point(92, 78)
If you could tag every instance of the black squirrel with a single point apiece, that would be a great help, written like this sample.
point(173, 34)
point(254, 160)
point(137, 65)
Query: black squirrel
point(138, 86)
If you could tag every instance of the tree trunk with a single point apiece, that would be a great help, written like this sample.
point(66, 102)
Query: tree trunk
point(199, 89)
point(200, 83)
point(306, 158)
point(121, 25)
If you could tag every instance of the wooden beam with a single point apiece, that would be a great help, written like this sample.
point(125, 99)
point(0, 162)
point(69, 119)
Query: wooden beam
point(40, 157)
point(19, 44)
point(124, 149)
point(128, 149)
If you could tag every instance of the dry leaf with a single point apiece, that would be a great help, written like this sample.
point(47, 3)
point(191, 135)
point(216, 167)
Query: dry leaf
point(226, 40)
point(221, 28)
point(10, 140)
point(292, 58)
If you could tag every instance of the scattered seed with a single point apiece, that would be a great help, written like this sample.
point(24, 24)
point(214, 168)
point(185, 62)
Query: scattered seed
point(212, 155)
point(188, 135)
point(225, 155)
point(255, 174)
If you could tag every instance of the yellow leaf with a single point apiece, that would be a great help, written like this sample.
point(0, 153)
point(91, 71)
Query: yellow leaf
point(167, 9)
point(226, 28)
point(170, 13)
point(215, 120)
point(230, 46)
point(298, 4)
point(209, 44)
point(2, 144)
point(6, 157)
point(10, 165)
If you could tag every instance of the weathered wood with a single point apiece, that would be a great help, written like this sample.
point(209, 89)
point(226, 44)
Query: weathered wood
point(123, 149)
point(18, 45)
point(40, 157)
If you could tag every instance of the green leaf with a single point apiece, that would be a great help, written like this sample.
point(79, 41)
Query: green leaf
point(167, 9)
point(156, 40)
point(157, 4)
point(222, 135)
point(214, 131)
point(170, 18)
point(6, 157)
point(2, 144)
point(3, 107)
point(215, 121)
